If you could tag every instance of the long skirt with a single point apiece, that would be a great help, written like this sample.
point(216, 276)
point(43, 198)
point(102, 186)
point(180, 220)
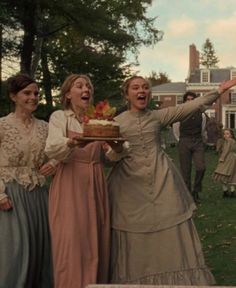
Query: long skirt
point(25, 256)
point(168, 257)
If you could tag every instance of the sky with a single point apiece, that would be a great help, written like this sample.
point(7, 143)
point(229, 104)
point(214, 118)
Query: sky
point(186, 22)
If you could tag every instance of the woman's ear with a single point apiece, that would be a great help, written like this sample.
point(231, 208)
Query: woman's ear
point(126, 97)
point(12, 97)
point(68, 95)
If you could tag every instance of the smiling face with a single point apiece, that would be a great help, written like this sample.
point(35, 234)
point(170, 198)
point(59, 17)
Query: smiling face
point(26, 100)
point(80, 94)
point(138, 94)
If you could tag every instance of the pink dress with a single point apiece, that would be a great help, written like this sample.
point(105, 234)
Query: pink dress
point(79, 219)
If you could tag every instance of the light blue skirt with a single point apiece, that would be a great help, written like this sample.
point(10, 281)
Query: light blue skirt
point(25, 254)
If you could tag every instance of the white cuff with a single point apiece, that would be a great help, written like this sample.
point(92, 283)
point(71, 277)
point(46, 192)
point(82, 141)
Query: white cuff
point(114, 156)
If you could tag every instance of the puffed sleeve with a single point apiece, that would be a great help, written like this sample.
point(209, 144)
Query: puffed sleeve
point(56, 144)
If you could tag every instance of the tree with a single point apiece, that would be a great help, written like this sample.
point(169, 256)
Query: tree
point(208, 58)
point(158, 78)
point(60, 37)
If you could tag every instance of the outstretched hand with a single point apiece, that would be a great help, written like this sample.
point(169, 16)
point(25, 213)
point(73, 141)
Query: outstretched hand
point(225, 85)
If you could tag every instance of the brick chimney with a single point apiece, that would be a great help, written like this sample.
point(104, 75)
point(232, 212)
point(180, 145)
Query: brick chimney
point(193, 58)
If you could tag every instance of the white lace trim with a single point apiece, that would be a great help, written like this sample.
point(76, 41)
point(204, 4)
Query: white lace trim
point(26, 176)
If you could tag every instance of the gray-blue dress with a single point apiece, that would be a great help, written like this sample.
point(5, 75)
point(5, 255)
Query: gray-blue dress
point(25, 257)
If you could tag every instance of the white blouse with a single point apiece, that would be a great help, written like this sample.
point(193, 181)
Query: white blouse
point(56, 144)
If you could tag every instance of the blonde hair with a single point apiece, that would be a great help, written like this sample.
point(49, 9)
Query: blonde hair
point(66, 86)
point(126, 84)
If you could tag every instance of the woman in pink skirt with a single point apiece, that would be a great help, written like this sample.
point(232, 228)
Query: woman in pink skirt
point(78, 201)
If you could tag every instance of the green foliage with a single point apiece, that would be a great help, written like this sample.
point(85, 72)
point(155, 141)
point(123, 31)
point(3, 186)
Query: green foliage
point(158, 78)
point(6, 107)
point(5, 102)
point(208, 58)
point(77, 36)
point(152, 104)
point(44, 111)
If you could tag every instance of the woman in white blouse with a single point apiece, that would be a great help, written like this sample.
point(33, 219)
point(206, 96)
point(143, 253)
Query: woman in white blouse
point(78, 200)
point(24, 239)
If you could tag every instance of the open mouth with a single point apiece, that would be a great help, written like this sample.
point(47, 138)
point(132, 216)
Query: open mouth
point(141, 97)
point(85, 98)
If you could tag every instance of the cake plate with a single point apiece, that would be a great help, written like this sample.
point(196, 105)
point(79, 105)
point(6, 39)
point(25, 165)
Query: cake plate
point(119, 139)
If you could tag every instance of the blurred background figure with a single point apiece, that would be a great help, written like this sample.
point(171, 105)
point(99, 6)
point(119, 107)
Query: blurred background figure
point(191, 134)
point(226, 168)
point(171, 140)
point(212, 133)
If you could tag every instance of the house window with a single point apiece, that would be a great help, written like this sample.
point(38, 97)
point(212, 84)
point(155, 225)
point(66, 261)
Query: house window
point(205, 76)
point(156, 98)
point(233, 74)
point(233, 98)
point(179, 99)
point(230, 117)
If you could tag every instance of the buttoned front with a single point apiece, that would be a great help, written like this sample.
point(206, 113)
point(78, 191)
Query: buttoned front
point(146, 190)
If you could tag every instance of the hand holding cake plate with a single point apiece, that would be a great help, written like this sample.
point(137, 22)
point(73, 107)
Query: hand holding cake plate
point(106, 139)
point(78, 141)
point(98, 124)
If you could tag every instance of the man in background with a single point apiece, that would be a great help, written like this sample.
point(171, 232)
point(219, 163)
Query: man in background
point(191, 135)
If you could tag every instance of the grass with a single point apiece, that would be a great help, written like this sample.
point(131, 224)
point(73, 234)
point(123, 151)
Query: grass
point(215, 220)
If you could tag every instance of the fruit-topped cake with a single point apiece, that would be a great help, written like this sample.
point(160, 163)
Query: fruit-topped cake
point(98, 121)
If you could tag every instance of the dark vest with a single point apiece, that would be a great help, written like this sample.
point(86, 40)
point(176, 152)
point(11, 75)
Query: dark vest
point(192, 126)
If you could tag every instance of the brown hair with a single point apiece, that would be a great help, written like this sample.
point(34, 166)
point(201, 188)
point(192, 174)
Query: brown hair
point(230, 131)
point(189, 93)
point(125, 85)
point(18, 82)
point(66, 86)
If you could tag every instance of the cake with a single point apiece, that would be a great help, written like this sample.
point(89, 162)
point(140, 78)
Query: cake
point(98, 121)
point(101, 128)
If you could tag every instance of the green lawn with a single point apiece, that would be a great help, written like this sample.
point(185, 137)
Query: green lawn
point(215, 219)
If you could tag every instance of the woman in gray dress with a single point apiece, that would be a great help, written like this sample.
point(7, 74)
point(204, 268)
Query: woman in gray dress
point(154, 240)
point(225, 171)
point(25, 257)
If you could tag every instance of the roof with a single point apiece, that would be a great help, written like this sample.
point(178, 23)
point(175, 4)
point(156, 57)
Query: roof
point(217, 75)
point(175, 87)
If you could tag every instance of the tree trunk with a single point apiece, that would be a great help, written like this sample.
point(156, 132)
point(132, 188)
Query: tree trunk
point(46, 79)
point(38, 42)
point(28, 38)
